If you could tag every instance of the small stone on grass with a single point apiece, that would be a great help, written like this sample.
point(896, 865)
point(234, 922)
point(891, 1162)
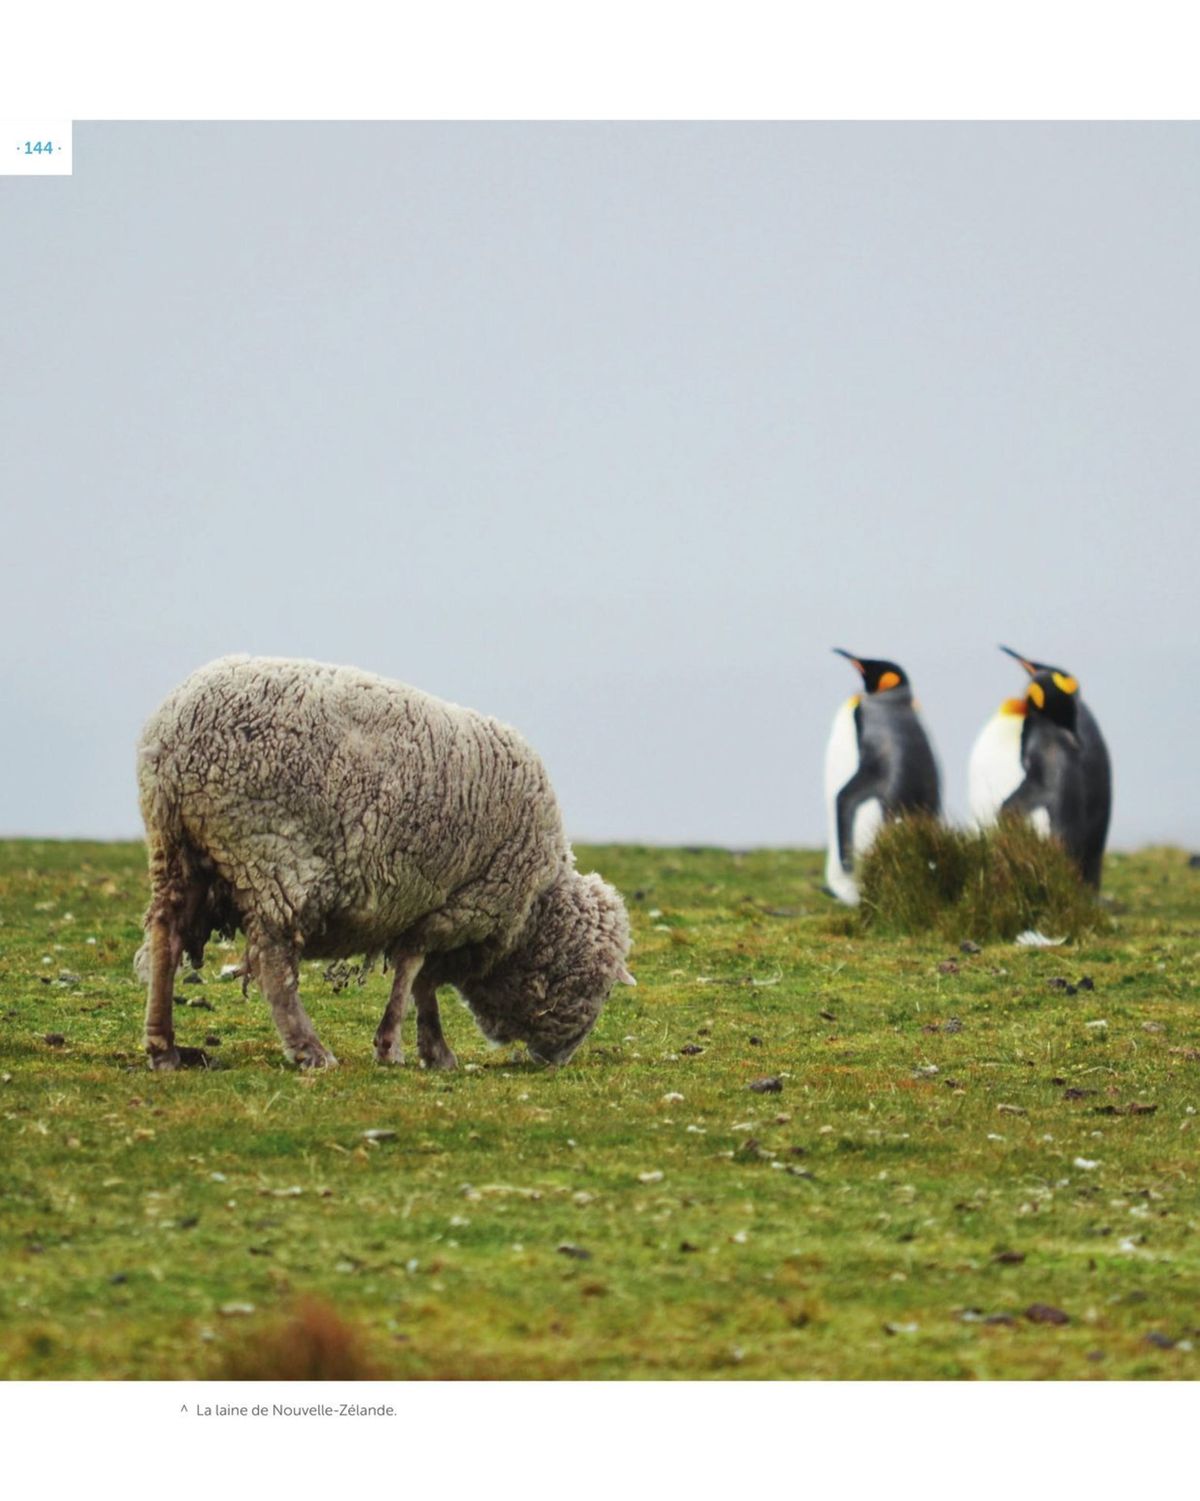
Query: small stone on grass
point(1043, 1313)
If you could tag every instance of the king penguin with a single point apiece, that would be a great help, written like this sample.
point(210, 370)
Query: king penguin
point(878, 763)
point(1044, 755)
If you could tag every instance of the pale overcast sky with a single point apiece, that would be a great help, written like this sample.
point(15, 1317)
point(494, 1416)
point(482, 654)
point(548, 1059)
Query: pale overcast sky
point(612, 431)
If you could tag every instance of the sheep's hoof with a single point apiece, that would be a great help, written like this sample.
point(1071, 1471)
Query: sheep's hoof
point(438, 1056)
point(312, 1055)
point(163, 1057)
point(389, 1052)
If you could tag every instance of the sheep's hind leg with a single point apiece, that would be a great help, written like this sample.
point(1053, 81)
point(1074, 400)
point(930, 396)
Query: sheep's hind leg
point(166, 948)
point(431, 1045)
point(278, 973)
point(389, 1040)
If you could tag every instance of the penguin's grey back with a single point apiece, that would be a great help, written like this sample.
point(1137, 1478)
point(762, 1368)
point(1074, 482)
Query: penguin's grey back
point(892, 738)
point(1096, 771)
point(1052, 795)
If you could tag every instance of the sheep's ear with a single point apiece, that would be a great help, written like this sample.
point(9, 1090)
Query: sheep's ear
point(624, 977)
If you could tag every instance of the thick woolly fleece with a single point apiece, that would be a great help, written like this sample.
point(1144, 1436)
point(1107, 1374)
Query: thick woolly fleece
point(334, 813)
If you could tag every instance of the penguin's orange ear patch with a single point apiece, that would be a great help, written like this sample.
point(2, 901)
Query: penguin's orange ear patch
point(1065, 683)
point(888, 680)
point(1037, 695)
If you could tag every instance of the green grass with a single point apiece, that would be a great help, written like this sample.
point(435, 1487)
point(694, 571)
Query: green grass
point(922, 876)
point(933, 1106)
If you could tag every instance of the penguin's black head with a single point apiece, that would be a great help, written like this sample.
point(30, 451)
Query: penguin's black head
point(877, 676)
point(1055, 697)
point(1062, 678)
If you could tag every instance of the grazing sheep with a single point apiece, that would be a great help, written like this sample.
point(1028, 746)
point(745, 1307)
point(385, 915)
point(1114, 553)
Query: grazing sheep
point(328, 812)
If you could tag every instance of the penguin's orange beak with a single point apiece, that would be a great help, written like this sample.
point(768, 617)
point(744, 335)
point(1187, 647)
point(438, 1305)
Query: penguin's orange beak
point(850, 657)
point(1030, 667)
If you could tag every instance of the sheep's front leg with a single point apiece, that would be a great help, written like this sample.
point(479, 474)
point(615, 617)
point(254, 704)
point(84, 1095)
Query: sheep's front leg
point(389, 1039)
point(431, 1045)
point(278, 971)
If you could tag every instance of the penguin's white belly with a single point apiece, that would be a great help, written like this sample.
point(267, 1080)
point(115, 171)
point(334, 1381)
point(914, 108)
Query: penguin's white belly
point(994, 771)
point(841, 762)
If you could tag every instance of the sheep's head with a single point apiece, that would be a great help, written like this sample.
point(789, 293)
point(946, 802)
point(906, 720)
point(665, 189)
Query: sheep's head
point(548, 992)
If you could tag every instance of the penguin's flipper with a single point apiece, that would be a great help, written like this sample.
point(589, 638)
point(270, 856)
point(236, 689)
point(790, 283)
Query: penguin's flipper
point(1024, 801)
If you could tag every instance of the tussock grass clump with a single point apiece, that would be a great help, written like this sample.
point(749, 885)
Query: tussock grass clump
point(922, 876)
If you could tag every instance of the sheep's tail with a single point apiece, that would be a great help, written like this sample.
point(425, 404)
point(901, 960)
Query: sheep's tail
point(188, 897)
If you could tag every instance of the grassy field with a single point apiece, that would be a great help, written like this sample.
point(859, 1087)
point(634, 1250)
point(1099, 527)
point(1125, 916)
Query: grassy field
point(973, 1165)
